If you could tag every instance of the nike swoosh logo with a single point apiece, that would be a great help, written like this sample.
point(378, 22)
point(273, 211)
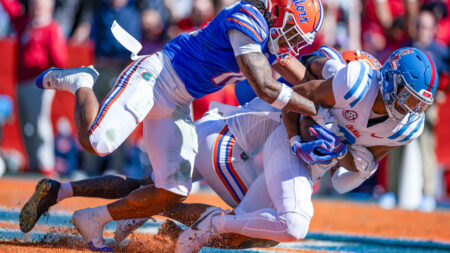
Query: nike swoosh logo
point(194, 226)
point(374, 136)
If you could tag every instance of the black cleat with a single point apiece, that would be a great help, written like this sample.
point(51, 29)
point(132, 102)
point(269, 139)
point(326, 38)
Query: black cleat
point(44, 196)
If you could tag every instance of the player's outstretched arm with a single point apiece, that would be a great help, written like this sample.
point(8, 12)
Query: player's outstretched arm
point(318, 91)
point(293, 71)
point(291, 122)
point(258, 72)
point(350, 174)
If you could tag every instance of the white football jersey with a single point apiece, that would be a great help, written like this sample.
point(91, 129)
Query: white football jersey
point(355, 89)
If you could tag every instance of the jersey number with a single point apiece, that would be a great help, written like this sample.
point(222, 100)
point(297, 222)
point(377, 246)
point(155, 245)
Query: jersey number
point(227, 78)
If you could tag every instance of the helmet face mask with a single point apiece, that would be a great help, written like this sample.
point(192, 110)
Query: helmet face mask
point(288, 39)
point(408, 83)
point(295, 23)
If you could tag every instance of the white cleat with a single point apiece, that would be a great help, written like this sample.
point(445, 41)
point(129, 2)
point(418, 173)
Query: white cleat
point(198, 234)
point(67, 79)
point(86, 222)
point(126, 227)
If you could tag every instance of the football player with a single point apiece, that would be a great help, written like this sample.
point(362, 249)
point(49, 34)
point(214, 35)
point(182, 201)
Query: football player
point(159, 89)
point(229, 159)
point(374, 112)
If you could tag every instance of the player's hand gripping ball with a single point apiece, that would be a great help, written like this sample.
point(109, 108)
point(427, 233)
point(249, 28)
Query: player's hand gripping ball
point(318, 145)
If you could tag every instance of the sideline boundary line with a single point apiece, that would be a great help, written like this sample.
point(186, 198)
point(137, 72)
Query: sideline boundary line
point(379, 240)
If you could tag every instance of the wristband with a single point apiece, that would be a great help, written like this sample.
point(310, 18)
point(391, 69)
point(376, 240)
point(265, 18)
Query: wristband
point(294, 139)
point(284, 97)
point(283, 61)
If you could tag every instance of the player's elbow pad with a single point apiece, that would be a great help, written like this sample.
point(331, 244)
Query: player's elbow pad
point(364, 160)
point(344, 180)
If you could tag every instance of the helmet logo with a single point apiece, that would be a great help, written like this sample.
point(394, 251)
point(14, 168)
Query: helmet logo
point(302, 15)
point(374, 61)
point(425, 93)
point(394, 59)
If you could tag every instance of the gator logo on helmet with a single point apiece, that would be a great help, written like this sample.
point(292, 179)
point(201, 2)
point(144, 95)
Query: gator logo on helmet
point(372, 60)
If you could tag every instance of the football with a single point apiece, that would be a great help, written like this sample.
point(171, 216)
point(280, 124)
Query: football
point(305, 123)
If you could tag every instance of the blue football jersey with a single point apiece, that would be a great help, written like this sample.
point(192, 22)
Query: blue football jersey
point(205, 60)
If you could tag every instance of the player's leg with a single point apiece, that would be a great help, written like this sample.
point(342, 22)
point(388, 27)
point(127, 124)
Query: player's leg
point(107, 187)
point(288, 221)
point(256, 198)
point(290, 191)
point(171, 185)
point(207, 129)
point(49, 192)
point(171, 141)
point(219, 161)
point(101, 130)
point(214, 143)
point(79, 81)
point(45, 195)
point(85, 113)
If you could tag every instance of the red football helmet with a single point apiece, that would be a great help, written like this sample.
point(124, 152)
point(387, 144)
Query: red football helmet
point(295, 24)
point(357, 55)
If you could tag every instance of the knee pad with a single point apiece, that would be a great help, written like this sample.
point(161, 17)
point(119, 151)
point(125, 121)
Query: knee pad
point(101, 145)
point(297, 226)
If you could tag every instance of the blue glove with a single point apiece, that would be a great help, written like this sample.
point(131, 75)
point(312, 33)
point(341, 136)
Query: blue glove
point(333, 144)
point(312, 152)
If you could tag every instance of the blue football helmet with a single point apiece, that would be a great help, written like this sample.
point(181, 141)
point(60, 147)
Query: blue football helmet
point(409, 82)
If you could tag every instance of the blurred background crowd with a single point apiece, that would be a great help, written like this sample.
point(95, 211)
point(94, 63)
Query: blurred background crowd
point(37, 128)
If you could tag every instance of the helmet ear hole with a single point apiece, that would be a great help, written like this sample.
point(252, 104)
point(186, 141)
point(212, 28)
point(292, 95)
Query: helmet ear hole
point(387, 76)
point(276, 12)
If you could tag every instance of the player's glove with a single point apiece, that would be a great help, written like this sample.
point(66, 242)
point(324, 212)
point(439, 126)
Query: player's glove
point(333, 144)
point(321, 151)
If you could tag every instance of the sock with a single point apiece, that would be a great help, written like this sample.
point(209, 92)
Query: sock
point(102, 214)
point(85, 80)
point(65, 191)
point(79, 85)
point(218, 223)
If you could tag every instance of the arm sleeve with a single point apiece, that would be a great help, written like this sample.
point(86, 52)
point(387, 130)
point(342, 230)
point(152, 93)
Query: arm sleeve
point(344, 180)
point(242, 44)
